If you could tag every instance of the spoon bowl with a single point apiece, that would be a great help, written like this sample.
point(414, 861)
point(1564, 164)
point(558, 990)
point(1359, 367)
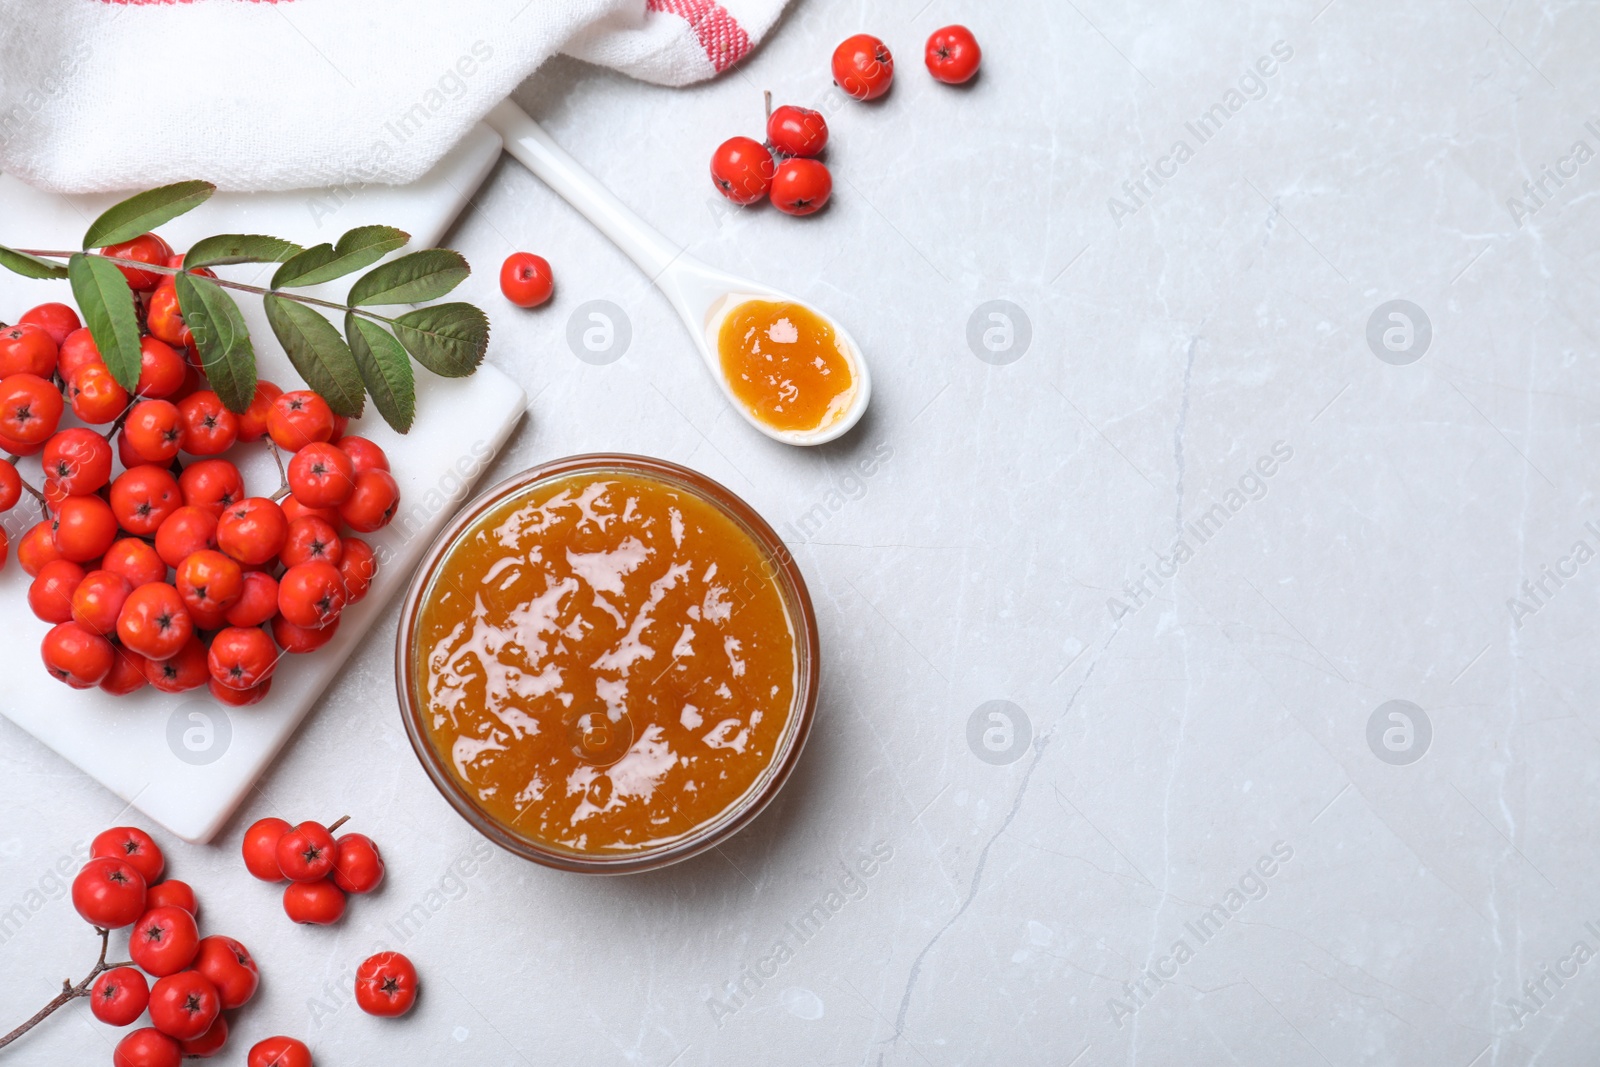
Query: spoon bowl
point(702, 295)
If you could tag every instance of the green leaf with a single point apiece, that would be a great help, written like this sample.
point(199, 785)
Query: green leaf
point(221, 337)
point(448, 339)
point(425, 275)
point(144, 212)
point(360, 247)
point(107, 305)
point(385, 369)
point(30, 266)
point(318, 353)
point(239, 248)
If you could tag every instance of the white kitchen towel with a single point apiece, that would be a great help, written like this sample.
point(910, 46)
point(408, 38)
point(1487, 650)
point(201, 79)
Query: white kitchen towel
point(100, 95)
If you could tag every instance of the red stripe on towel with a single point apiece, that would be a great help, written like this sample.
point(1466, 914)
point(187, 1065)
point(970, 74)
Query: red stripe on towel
point(719, 33)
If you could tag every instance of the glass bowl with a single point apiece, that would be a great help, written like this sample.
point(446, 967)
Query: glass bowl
point(797, 602)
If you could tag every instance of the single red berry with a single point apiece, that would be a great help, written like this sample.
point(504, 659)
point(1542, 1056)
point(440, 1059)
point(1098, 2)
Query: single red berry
point(293, 509)
point(797, 131)
point(146, 248)
point(258, 601)
point(119, 996)
point(207, 622)
point(229, 966)
point(97, 397)
point(77, 656)
point(85, 528)
point(164, 941)
point(373, 503)
point(128, 673)
point(164, 318)
point(253, 420)
point(209, 1043)
point(184, 1005)
point(57, 320)
point(386, 984)
point(953, 55)
point(301, 639)
point(77, 349)
point(37, 548)
point(253, 530)
point(305, 852)
point(863, 67)
point(147, 1047)
point(27, 349)
point(108, 893)
point(97, 601)
point(154, 431)
point(314, 903)
point(357, 864)
point(30, 410)
point(238, 698)
point(186, 531)
point(802, 187)
point(364, 455)
point(161, 369)
point(209, 582)
point(321, 476)
point(213, 484)
point(358, 566)
point(279, 1052)
point(10, 485)
point(260, 848)
point(172, 894)
point(208, 426)
point(50, 594)
point(79, 460)
point(242, 657)
point(144, 497)
point(298, 418)
point(135, 846)
point(311, 594)
point(181, 672)
point(741, 169)
point(154, 622)
point(525, 279)
point(311, 538)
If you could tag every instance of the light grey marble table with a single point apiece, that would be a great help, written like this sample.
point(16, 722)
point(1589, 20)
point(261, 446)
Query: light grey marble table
point(1208, 599)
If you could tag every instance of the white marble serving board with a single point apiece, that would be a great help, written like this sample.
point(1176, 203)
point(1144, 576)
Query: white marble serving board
point(183, 760)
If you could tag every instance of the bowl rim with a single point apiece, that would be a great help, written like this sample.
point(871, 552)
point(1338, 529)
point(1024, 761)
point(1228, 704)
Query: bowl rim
point(791, 583)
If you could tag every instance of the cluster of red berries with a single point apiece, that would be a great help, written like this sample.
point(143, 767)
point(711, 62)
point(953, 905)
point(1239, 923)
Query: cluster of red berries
point(196, 978)
point(319, 868)
point(785, 167)
point(166, 573)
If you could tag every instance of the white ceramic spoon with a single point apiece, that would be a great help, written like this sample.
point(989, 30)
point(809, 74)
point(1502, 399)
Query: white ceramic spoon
point(702, 295)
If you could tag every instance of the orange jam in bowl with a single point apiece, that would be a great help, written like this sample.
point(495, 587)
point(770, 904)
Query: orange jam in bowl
point(608, 663)
point(786, 364)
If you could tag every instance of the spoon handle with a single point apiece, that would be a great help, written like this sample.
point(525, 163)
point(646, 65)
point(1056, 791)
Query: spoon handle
point(527, 141)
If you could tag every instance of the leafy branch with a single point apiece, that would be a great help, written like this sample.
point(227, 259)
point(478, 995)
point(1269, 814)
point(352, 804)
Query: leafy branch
point(372, 357)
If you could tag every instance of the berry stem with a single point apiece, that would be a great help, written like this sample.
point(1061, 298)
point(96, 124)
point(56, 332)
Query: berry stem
point(156, 268)
point(340, 821)
point(43, 503)
point(111, 433)
point(766, 95)
point(69, 992)
point(283, 475)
